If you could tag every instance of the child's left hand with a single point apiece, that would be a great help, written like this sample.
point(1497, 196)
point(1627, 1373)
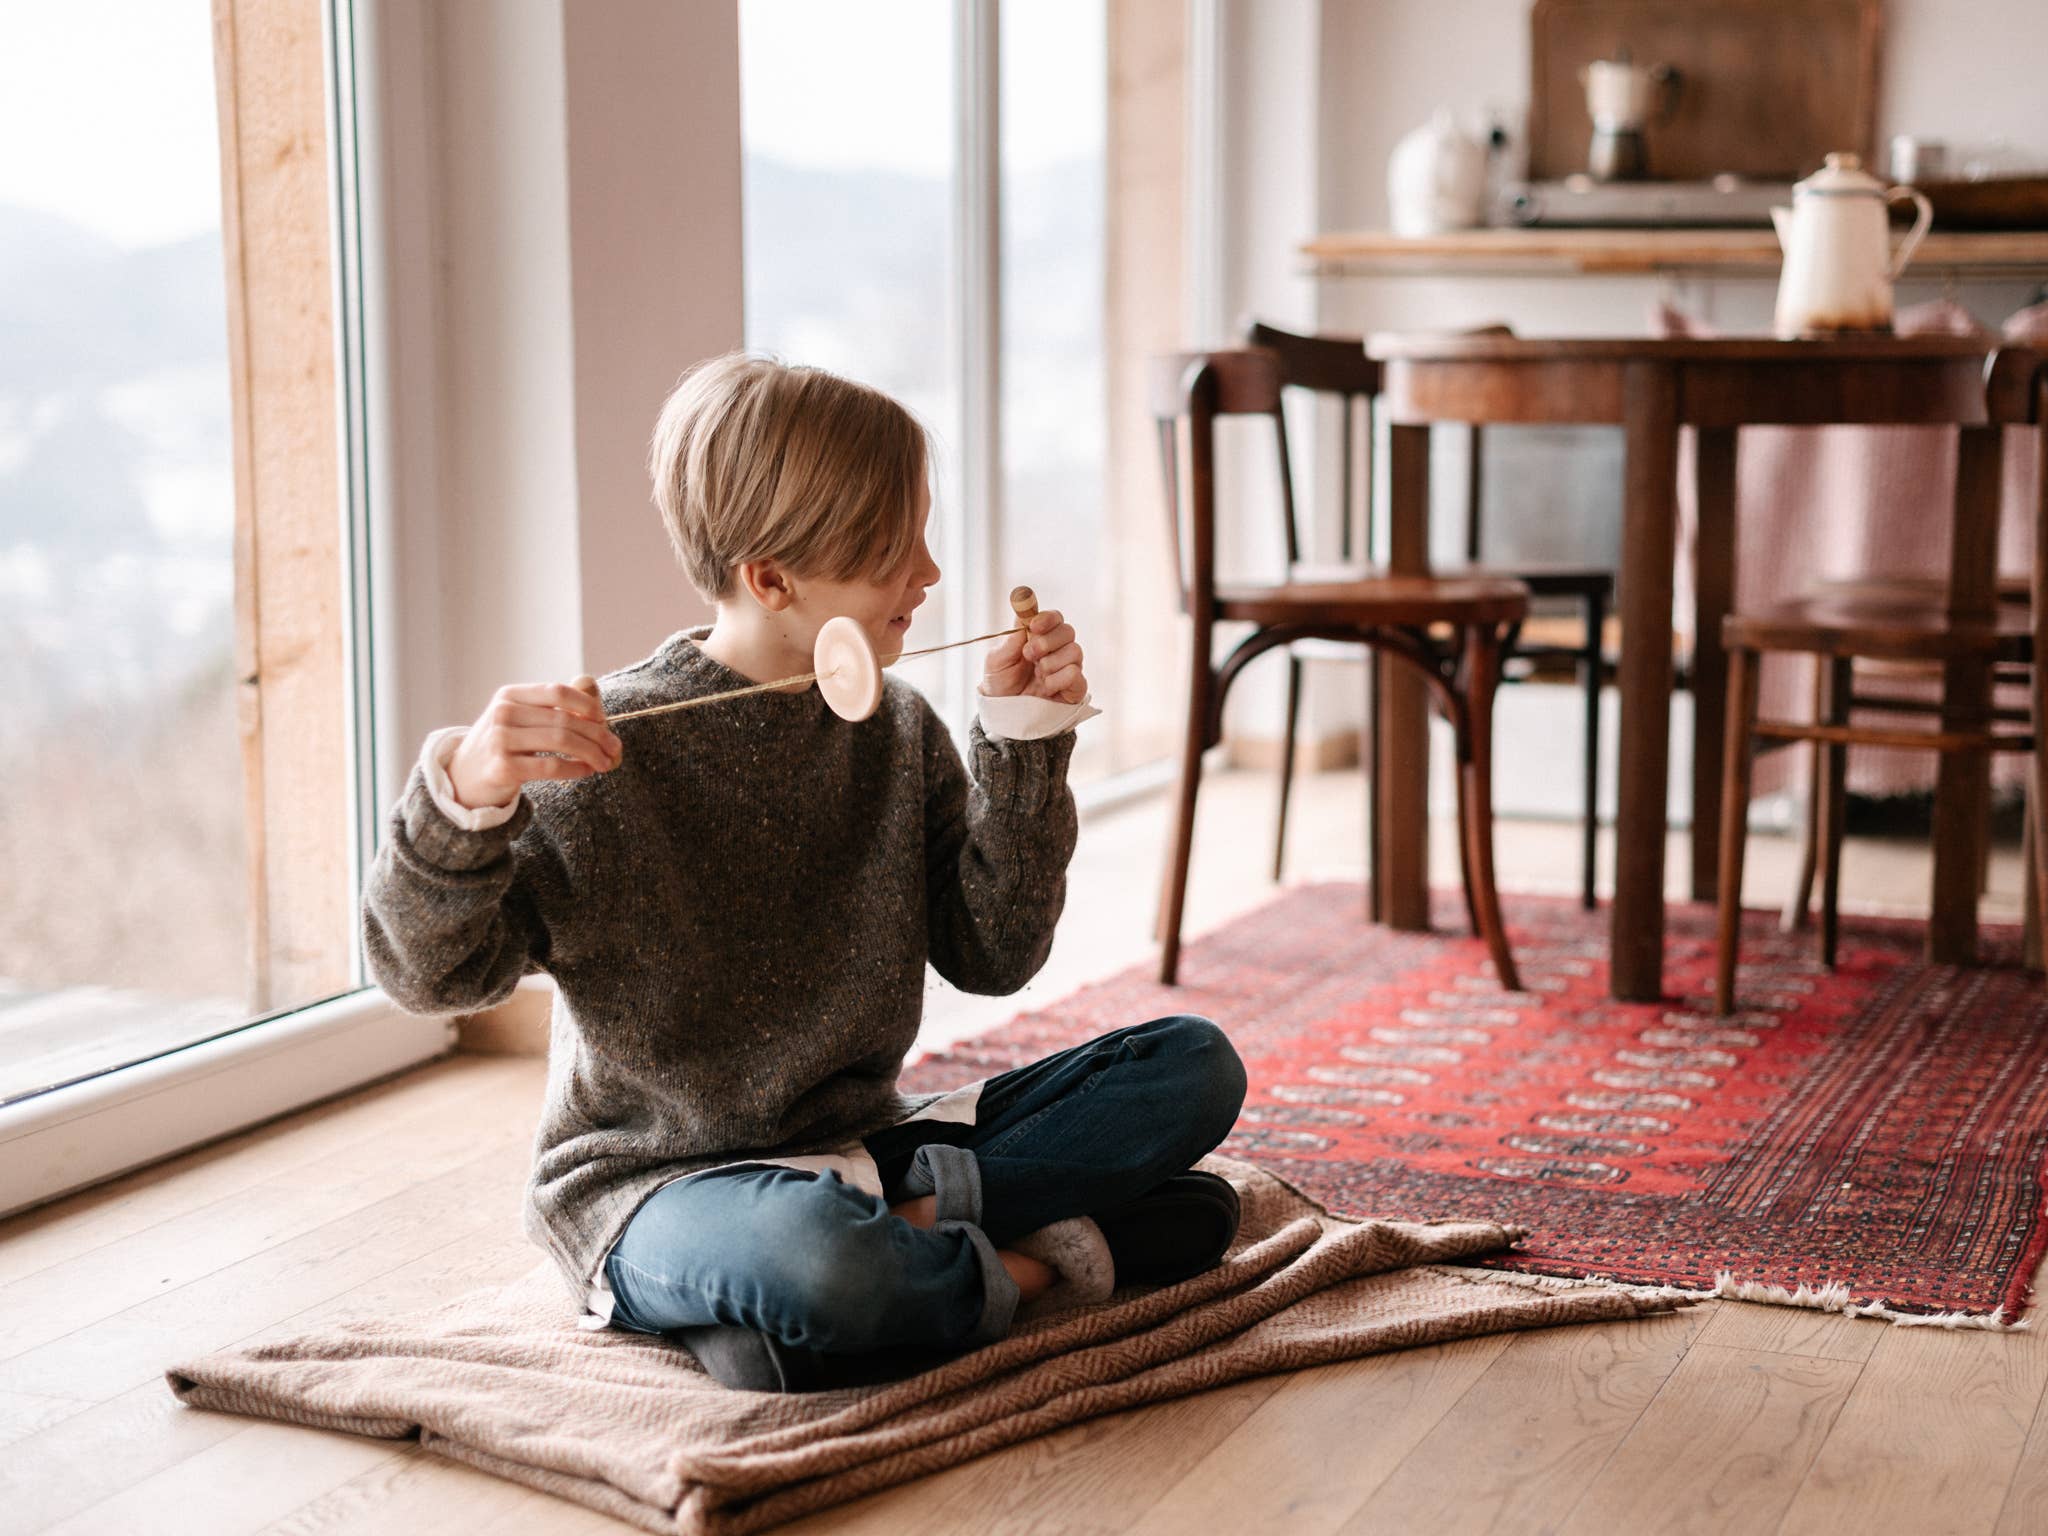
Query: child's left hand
point(1045, 664)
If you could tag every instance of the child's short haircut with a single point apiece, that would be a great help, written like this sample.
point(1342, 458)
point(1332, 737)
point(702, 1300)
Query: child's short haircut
point(754, 460)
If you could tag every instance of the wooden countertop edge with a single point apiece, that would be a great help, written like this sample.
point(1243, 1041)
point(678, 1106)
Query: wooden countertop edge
point(1632, 251)
point(1453, 347)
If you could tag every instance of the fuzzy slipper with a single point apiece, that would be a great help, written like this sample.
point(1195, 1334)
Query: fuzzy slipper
point(1079, 1257)
point(1173, 1231)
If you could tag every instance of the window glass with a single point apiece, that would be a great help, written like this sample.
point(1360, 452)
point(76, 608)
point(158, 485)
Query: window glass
point(847, 137)
point(125, 883)
point(1053, 98)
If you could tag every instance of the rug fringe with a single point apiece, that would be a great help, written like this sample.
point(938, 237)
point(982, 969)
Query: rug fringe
point(1831, 1296)
point(1468, 1276)
point(1836, 1297)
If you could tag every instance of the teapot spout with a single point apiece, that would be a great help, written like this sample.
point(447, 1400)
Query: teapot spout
point(1781, 221)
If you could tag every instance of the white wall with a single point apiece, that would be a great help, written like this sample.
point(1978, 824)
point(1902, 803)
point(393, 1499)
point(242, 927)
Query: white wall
point(557, 203)
point(653, 116)
point(510, 599)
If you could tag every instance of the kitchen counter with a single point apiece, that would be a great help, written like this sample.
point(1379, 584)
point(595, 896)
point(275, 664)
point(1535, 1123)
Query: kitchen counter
point(1634, 252)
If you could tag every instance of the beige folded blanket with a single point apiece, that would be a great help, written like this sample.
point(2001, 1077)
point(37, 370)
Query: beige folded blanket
point(503, 1379)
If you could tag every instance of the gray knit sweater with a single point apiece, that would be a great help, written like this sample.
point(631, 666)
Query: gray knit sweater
point(737, 919)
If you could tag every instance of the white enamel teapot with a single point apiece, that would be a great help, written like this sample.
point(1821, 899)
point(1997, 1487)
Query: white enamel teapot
point(1839, 265)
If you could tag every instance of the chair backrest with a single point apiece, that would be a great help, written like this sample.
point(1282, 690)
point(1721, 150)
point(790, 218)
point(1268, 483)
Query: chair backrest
point(2016, 386)
point(1193, 389)
point(2016, 394)
point(1333, 364)
point(1329, 365)
point(1336, 365)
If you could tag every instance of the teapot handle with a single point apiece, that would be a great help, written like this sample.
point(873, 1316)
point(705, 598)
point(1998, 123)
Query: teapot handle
point(1914, 235)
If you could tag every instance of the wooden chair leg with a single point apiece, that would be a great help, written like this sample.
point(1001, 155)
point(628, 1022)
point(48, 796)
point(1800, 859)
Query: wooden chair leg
point(1738, 754)
point(1368, 759)
point(1287, 762)
point(2036, 785)
point(1834, 806)
point(1799, 905)
point(1466, 880)
point(1475, 766)
point(1594, 666)
point(2030, 856)
point(1984, 850)
point(1173, 897)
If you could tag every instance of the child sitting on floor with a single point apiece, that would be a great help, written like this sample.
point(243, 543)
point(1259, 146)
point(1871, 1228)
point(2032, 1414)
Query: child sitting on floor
point(737, 904)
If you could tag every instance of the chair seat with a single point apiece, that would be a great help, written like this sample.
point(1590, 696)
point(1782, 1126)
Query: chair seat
point(1892, 623)
point(1378, 600)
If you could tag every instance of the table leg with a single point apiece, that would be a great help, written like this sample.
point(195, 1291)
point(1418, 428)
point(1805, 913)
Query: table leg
point(1713, 598)
point(1962, 786)
point(1648, 540)
point(1402, 772)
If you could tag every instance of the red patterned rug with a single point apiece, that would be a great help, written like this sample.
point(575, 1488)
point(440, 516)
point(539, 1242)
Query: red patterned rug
point(1875, 1134)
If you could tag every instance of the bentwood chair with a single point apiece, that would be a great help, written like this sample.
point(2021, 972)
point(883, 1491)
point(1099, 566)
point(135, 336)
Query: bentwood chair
point(1453, 630)
point(1888, 687)
point(1546, 649)
point(1963, 627)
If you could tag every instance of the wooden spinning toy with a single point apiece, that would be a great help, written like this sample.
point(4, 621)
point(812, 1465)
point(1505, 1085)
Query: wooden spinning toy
point(849, 673)
point(845, 667)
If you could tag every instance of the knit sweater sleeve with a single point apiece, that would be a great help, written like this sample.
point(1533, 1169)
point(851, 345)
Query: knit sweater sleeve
point(450, 917)
point(997, 843)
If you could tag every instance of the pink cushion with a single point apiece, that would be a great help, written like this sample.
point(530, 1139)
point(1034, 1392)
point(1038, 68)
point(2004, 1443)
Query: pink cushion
point(2027, 326)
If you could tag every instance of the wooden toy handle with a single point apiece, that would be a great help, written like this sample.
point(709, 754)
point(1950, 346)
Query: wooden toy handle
point(1024, 603)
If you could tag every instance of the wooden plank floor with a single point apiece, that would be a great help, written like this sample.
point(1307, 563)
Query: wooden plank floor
point(1726, 1417)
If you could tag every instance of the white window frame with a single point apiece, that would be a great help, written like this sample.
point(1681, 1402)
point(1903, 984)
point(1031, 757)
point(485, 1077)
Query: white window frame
point(975, 525)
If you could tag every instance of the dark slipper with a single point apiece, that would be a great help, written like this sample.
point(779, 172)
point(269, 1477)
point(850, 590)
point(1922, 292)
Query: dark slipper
point(751, 1361)
point(1173, 1231)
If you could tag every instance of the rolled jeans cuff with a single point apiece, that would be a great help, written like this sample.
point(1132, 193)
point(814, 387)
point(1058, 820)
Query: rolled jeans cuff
point(952, 1176)
point(999, 1292)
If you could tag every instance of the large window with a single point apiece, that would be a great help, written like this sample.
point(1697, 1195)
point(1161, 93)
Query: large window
point(925, 210)
point(155, 721)
point(848, 131)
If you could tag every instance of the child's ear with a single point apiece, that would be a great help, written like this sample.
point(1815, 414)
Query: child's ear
point(767, 583)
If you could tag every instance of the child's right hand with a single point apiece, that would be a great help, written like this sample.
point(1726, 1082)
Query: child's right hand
point(505, 748)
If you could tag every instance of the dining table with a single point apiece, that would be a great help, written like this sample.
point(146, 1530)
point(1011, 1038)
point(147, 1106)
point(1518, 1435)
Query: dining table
point(1653, 389)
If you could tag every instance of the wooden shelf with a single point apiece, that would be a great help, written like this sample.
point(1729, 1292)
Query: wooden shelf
point(1634, 252)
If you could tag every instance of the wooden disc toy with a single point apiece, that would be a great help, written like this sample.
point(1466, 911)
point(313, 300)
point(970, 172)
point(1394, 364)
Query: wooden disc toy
point(845, 667)
point(848, 671)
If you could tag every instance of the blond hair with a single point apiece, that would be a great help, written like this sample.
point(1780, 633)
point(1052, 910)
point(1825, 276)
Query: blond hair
point(754, 460)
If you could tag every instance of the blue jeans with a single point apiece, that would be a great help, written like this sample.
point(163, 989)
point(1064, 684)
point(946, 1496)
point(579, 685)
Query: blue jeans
point(823, 1265)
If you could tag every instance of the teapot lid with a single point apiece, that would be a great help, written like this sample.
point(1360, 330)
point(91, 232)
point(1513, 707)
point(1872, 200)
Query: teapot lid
point(1842, 176)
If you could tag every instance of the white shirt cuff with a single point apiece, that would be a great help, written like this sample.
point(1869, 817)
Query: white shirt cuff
point(435, 754)
point(1026, 717)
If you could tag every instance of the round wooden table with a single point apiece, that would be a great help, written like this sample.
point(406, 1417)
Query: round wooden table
point(1651, 389)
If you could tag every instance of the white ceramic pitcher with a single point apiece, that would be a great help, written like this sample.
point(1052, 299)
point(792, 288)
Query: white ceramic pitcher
point(1839, 265)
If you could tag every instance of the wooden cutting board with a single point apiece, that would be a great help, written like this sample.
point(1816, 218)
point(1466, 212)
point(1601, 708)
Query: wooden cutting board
point(1767, 87)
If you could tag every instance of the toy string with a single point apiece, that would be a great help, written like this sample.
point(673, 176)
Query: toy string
point(790, 682)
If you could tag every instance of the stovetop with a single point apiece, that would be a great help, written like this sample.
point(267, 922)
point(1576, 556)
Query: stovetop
point(1725, 202)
